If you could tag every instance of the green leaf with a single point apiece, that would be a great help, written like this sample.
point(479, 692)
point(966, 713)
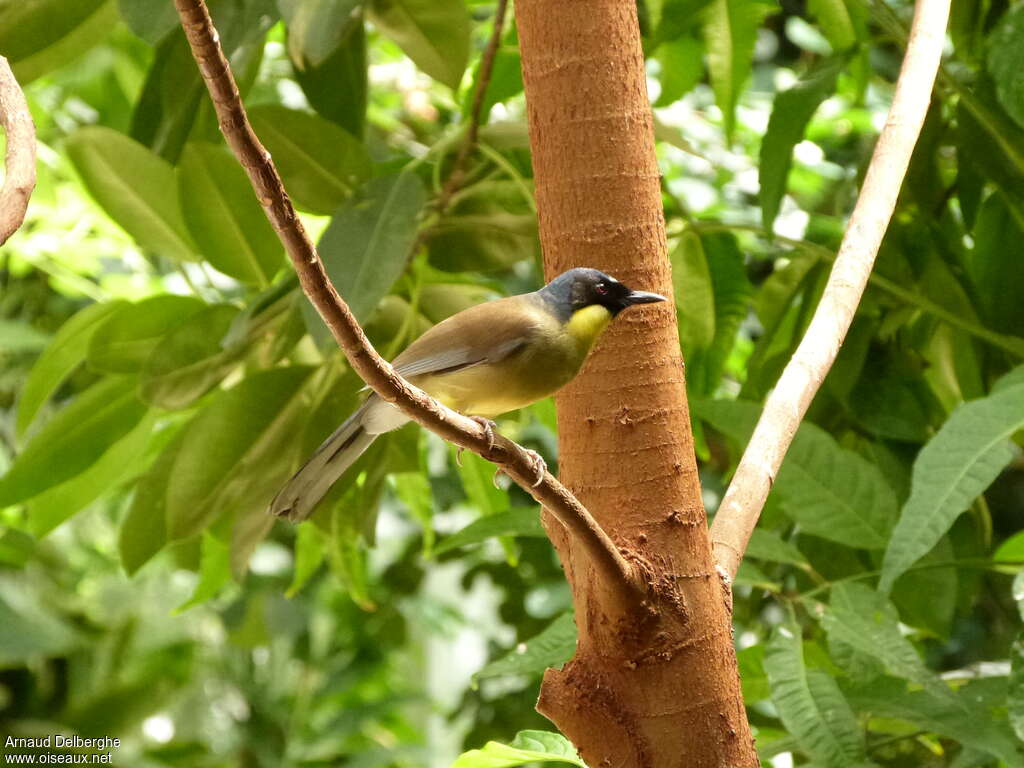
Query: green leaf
point(134, 186)
point(730, 30)
point(712, 293)
point(320, 163)
point(492, 238)
point(170, 106)
point(933, 616)
point(970, 715)
point(143, 531)
point(248, 506)
point(678, 17)
point(1006, 62)
point(732, 291)
point(58, 360)
point(988, 263)
point(52, 507)
point(682, 67)
point(74, 439)
point(791, 112)
point(518, 521)
point(991, 142)
point(32, 632)
point(836, 22)
point(891, 404)
point(527, 747)
point(18, 337)
point(694, 294)
point(477, 475)
point(835, 493)
point(778, 292)
point(1013, 378)
point(190, 360)
point(768, 545)
point(413, 490)
point(337, 89)
point(753, 678)
point(750, 575)
point(353, 518)
point(214, 572)
point(831, 492)
point(367, 244)
point(1017, 592)
point(152, 20)
point(224, 217)
point(16, 548)
point(439, 301)
point(506, 80)
point(125, 338)
point(952, 470)
point(174, 105)
point(317, 28)
point(554, 646)
point(1015, 698)
point(1011, 550)
point(226, 442)
point(433, 33)
point(40, 36)
point(810, 704)
point(865, 620)
point(310, 548)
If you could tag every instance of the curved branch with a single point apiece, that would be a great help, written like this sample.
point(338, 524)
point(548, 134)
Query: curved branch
point(371, 367)
point(20, 164)
point(737, 515)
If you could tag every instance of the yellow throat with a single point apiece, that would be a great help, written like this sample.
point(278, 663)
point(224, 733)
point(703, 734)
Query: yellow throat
point(586, 324)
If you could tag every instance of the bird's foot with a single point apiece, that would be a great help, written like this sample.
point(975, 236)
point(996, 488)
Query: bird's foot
point(537, 464)
point(488, 427)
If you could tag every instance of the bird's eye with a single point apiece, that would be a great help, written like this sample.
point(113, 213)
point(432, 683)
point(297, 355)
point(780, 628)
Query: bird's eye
point(601, 289)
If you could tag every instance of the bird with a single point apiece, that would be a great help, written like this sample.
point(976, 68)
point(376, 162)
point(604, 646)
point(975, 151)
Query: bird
point(484, 361)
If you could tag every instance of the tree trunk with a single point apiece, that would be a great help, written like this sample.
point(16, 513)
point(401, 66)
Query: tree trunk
point(654, 685)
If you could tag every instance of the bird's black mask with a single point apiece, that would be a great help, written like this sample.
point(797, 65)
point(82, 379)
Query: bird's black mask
point(578, 288)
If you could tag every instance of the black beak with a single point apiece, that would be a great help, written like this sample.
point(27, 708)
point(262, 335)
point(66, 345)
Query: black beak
point(641, 297)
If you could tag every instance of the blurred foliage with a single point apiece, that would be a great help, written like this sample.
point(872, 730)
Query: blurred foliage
point(161, 375)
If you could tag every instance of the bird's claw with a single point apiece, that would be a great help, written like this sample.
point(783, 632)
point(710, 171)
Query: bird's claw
point(488, 427)
point(537, 464)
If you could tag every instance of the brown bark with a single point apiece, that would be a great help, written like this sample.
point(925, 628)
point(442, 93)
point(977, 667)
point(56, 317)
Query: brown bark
point(655, 686)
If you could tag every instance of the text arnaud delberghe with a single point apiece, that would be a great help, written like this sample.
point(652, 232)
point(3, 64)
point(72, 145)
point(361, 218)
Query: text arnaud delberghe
point(56, 741)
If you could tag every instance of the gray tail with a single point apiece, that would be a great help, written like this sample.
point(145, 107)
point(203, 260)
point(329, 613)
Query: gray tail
point(300, 495)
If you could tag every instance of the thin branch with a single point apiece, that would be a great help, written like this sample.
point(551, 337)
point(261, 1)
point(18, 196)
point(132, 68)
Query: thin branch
point(476, 112)
point(805, 373)
point(20, 164)
point(371, 367)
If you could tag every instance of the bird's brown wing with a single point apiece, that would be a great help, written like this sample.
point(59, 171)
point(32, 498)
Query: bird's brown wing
point(488, 332)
